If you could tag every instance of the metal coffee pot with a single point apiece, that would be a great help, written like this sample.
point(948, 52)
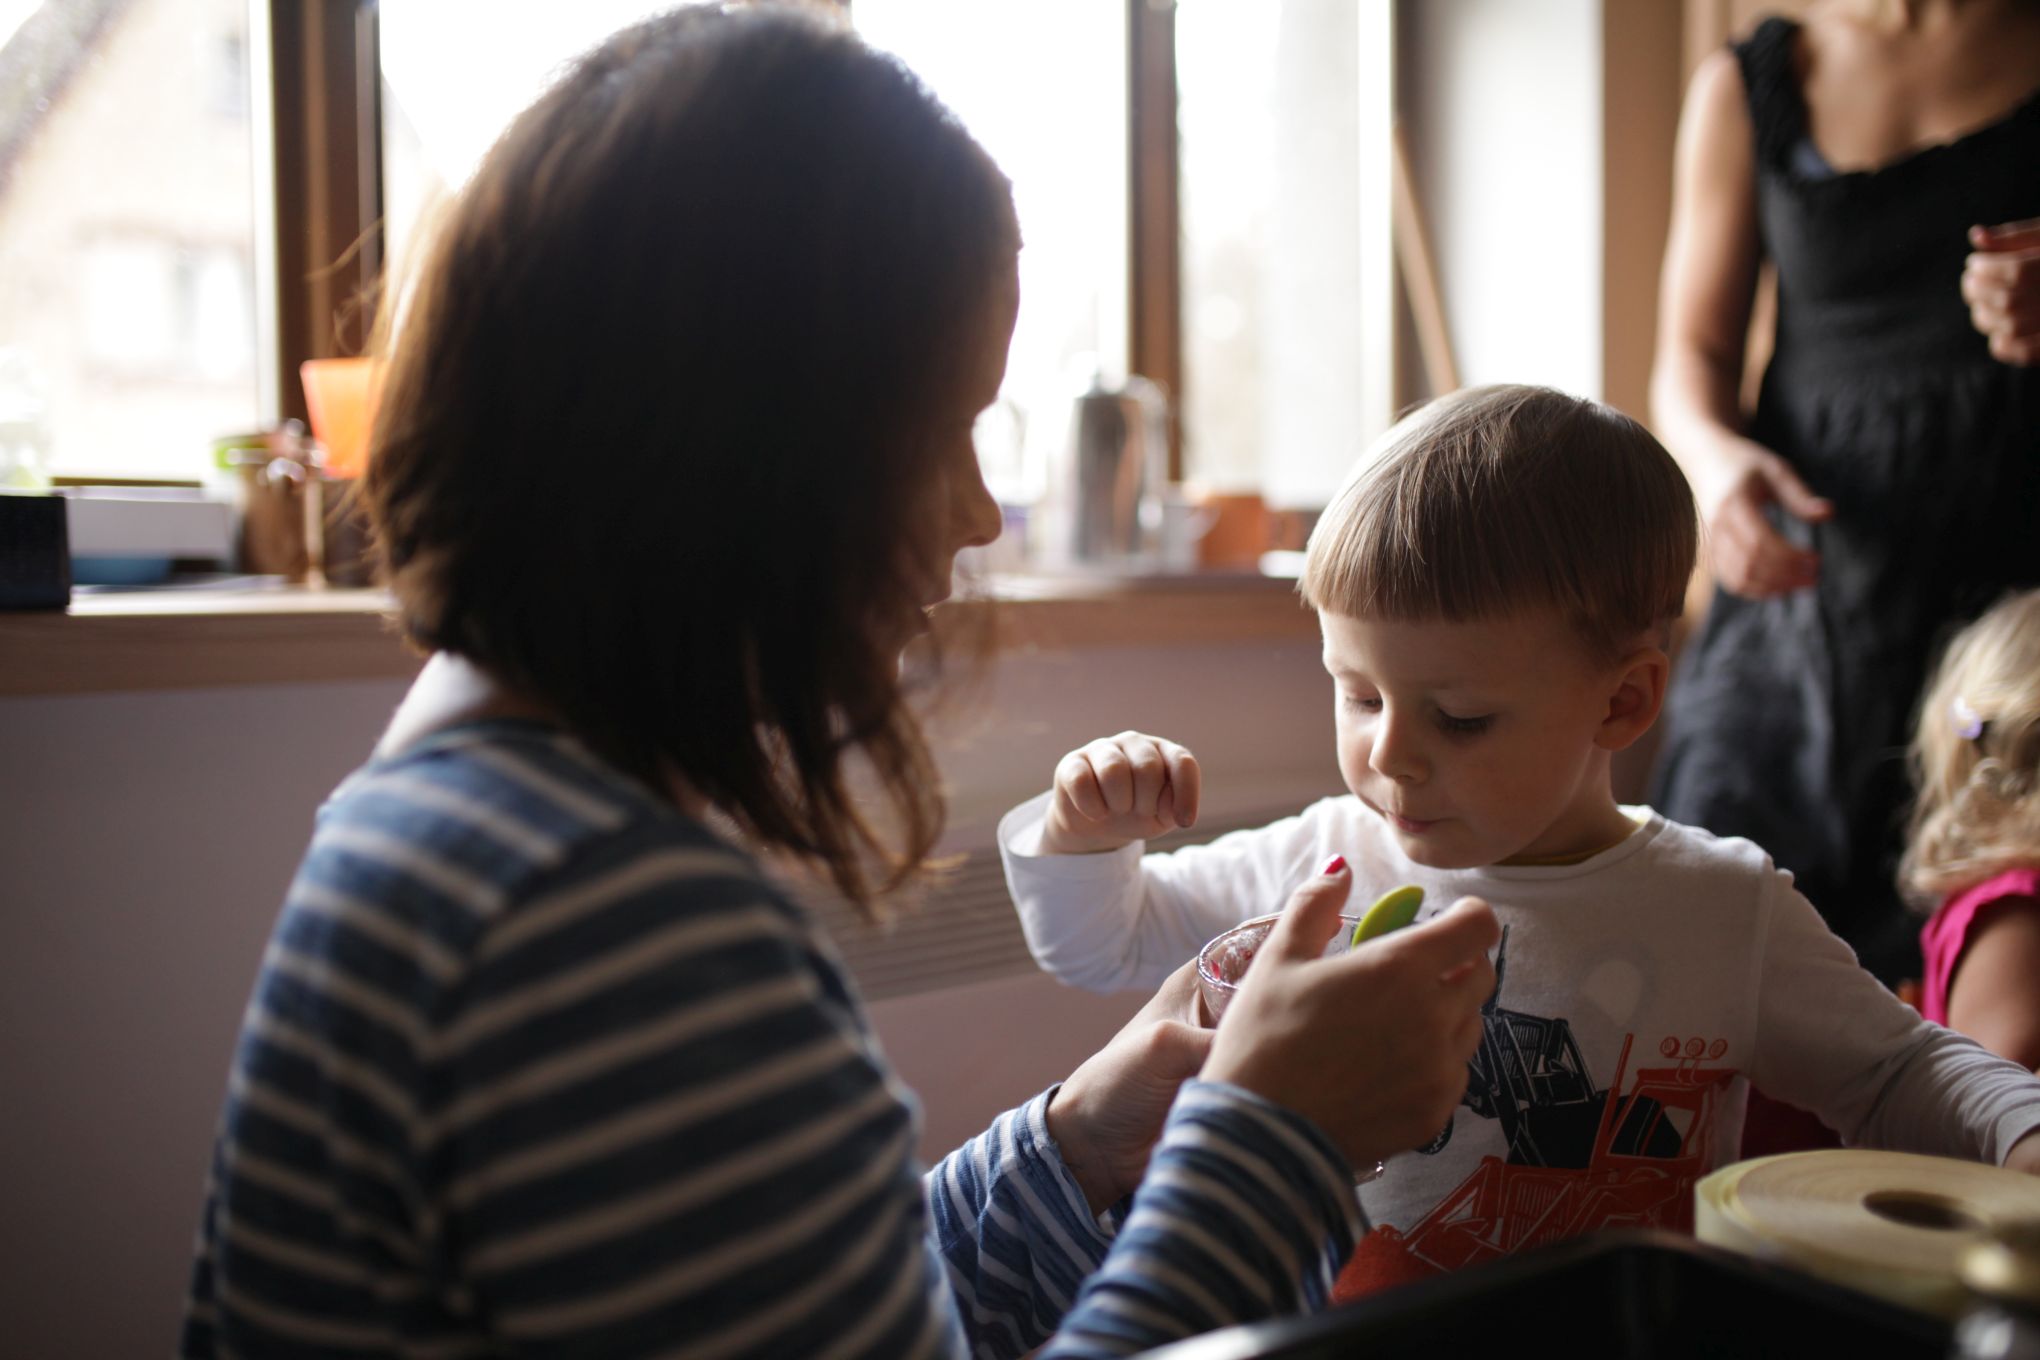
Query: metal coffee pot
point(1116, 466)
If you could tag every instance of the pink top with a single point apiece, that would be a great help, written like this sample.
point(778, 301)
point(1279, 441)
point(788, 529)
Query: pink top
point(1944, 936)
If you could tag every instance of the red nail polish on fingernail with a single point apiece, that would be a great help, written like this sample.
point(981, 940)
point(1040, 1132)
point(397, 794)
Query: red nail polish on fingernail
point(1333, 865)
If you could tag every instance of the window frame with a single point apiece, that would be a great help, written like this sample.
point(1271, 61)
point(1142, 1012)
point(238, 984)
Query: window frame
point(319, 265)
point(1154, 264)
point(317, 95)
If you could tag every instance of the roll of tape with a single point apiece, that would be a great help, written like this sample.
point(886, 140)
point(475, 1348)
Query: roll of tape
point(1892, 1224)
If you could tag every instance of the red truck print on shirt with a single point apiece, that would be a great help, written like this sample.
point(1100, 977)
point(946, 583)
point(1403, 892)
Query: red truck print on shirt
point(1580, 1158)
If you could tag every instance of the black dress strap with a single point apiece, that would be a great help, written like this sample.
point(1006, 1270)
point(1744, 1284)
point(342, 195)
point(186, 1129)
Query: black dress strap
point(1771, 84)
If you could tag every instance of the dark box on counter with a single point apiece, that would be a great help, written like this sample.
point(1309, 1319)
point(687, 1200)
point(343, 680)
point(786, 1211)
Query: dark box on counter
point(35, 551)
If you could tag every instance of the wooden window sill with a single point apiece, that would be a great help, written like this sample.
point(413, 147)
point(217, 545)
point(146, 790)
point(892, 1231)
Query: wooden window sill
point(197, 639)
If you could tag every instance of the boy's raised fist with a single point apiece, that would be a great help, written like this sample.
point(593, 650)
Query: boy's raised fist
point(1117, 790)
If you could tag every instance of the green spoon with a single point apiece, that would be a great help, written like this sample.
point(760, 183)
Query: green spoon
point(1396, 908)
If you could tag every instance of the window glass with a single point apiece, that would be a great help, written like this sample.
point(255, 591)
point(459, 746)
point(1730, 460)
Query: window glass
point(454, 73)
point(1282, 118)
point(1043, 87)
point(127, 307)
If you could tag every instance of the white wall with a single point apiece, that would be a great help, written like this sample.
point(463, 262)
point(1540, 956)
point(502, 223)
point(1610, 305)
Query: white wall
point(1501, 103)
point(146, 839)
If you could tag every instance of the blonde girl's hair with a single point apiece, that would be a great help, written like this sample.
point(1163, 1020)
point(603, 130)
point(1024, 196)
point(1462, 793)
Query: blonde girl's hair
point(1495, 500)
point(1975, 757)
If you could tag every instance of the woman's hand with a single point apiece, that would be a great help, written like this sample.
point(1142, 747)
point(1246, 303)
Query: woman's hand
point(1106, 1117)
point(2001, 284)
point(1747, 555)
point(1370, 1046)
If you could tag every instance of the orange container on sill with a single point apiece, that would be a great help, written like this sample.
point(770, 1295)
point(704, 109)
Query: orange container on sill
point(340, 397)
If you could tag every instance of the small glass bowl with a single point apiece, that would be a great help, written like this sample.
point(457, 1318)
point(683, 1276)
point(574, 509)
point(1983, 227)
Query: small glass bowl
point(1221, 963)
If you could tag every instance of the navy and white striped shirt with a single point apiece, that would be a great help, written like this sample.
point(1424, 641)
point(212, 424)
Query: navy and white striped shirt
point(537, 1065)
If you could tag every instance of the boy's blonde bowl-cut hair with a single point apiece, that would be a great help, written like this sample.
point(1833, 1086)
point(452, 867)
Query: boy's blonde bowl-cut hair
point(1975, 757)
point(1504, 499)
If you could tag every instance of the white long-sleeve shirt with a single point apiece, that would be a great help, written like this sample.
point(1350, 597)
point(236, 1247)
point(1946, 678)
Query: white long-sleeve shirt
point(1642, 992)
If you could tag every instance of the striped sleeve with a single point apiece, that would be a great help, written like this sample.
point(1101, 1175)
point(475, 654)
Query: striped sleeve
point(1246, 1213)
point(1014, 1233)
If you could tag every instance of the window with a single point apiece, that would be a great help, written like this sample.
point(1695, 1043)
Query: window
point(1282, 300)
point(1283, 297)
point(129, 277)
point(1283, 119)
point(435, 129)
point(1044, 88)
point(127, 302)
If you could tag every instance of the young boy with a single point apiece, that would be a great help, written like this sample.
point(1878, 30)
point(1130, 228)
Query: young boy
point(1495, 586)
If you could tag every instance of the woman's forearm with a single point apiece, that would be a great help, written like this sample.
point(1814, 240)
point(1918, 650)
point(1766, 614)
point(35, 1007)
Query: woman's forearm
point(1712, 257)
point(1696, 408)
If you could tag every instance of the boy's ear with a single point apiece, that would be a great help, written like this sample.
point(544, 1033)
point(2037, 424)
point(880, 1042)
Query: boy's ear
point(1637, 696)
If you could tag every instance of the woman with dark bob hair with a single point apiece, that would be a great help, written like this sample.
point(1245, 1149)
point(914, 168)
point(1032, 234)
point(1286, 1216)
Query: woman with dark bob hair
point(673, 458)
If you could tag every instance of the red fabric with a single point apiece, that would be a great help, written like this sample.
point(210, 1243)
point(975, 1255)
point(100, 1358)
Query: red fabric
point(1946, 934)
point(1771, 1126)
